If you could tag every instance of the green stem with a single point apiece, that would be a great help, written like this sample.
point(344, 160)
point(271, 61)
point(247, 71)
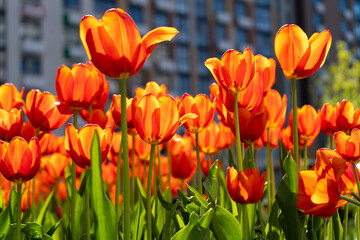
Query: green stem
point(351, 200)
point(198, 164)
point(33, 204)
point(305, 166)
point(160, 172)
point(338, 232)
point(18, 212)
point(324, 229)
point(251, 149)
point(331, 142)
point(144, 165)
point(356, 175)
point(133, 173)
point(272, 177)
point(126, 181)
point(148, 194)
point(346, 216)
point(262, 224)
point(295, 126)
point(169, 175)
point(268, 175)
point(117, 187)
point(245, 222)
point(237, 129)
point(358, 223)
point(239, 212)
point(87, 206)
point(73, 189)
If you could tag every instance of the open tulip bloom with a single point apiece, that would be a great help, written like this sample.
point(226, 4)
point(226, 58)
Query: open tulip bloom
point(189, 186)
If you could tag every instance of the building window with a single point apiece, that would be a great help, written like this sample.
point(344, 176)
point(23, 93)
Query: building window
point(241, 36)
point(182, 58)
point(202, 33)
point(75, 4)
point(263, 2)
point(203, 54)
point(344, 26)
point(31, 64)
point(181, 23)
point(357, 10)
point(220, 32)
point(204, 83)
point(136, 13)
point(357, 32)
point(181, 5)
point(262, 18)
point(200, 8)
point(161, 19)
point(263, 43)
point(102, 6)
point(184, 84)
point(219, 5)
point(240, 9)
point(31, 29)
point(317, 19)
point(343, 4)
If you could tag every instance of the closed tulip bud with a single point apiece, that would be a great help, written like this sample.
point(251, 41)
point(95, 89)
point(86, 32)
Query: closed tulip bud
point(10, 97)
point(11, 123)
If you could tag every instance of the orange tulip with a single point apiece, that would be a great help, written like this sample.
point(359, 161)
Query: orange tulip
point(10, 123)
point(109, 173)
point(27, 131)
point(19, 159)
point(267, 69)
point(79, 86)
point(55, 165)
point(78, 143)
point(210, 139)
point(115, 147)
point(286, 138)
point(345, 115)
point(328, 119)
point(116, 112)
point(246, 186)
point(299, 56)
point(234, 71)
point(309, 124)
point(96, 116)
point(200, 105)
point(114, 43)
point(10, 97)
point(157, 119)
point(153, 88)
point(183, 165)
point(274, 136)
point(44, 111)
point(179, 144)
point(348, 146)
point(276, 109)
point(51, 143)
point(142, 148)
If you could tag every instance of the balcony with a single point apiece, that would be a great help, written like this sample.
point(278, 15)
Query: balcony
point(33, 11)
point(245, 22)
point(33, 81)
point(74, 51)
point(166, 66)
point(224, 45)
point(320, 7)
point(34, 46)
point(223, 17)
point(72, 19)
point(164, 5)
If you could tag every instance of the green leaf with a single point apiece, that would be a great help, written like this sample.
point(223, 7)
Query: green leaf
point(166, 231)
point(32, 230)
point(286, 197)
point(251, 211)
point(105, 218)
point(273, 226)
point(247, 163)
point(211, 182)
point(138, 221)
point(44, 208)
point(224, 225)
point(167, 205)
point(231, 158)
point(185, 231)
point(53, 228)
point(182, 197)
point(205, 220)
point(4, 221)
point(338, 229)
point(12, 204)
point(197, 195)
point(282, 155)
point(140, 188)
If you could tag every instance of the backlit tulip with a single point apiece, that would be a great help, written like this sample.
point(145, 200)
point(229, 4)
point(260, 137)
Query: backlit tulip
point(151, 87)
point(51, 143)
point(80, 85)
point(200, 105)
point(345, 115)
point(234, 71)
point(246, 186)
point(286, 138)
point(10, 97)
point(348, 146)
point(116, 112)
point(276, 109)
point(115, 147)
point(274, 136)
point(44, 111)
point(78, 143)
point(114, 43)
point(19, 159)
point(27, 131)
point(157, 119)
point(55, 165)
point(209, 139)
point(183, 165)
point(328, 119)
point(11, 123)
point(299, 56)
point(267, 69)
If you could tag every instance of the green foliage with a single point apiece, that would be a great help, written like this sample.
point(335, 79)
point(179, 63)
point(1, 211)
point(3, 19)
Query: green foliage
point(341, 79)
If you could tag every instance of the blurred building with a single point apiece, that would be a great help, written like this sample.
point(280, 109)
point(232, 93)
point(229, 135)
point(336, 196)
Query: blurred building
point(37, 36)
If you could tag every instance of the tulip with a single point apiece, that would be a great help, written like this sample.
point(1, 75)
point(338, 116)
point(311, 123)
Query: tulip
point(157, 119)
point(44, 111)
point(246, 186)
point(328, 119)
point(184, 165)
point(276, 109)
point(286, 139)
point(267, 69)
point(345, 115)
point(27, 131)
point(348, 146)
point(10, 97)
point(299, 56)
point(116, 112)
point(210, 138)
point(153, 88)
point(234, 71)
point(20, 160)
point(101, 40)
point(55, 165)
point(11, 123)
point(80, 85)
point(200, 105)
point(78, 143)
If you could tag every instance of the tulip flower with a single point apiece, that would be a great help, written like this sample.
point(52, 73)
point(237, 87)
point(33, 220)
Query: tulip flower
point(11, 123)
point(210, 138)
point(328, 119)
point(101, 40)
point(348, 146)
point(80, 85)
point(200, 105)
point(274, 136)
point(55, 165)
point(116, 112)
point(44, 111)
point(345, 115)
point(267, 69)
point(10, 97)
point(19, 159)
point(157, 119)
point(299, 56)
point(246, 186)
point(78, 143)
point(234, 71)
point(51, 143)
point(276, 109)
point(183, 165)
point(27, 131)
point(153, 88)
point(286, 138)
